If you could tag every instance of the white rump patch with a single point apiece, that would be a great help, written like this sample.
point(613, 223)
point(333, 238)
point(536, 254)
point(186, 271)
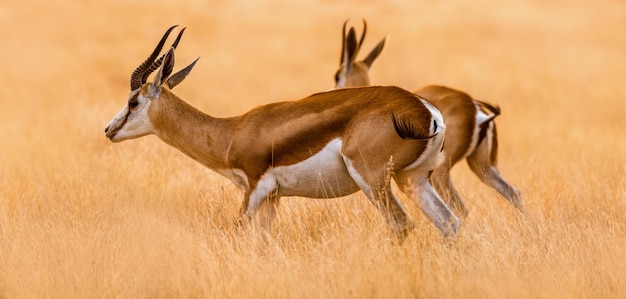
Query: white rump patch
point(432, 155)
point(481, 117)
point(436, 116)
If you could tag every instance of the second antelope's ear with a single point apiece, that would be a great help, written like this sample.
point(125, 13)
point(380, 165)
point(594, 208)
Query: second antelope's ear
point(180, 75)
point(349, 48)
point(164, 72)
point(374, 53)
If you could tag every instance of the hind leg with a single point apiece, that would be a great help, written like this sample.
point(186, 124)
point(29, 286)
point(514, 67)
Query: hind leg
point(416, 184)
point(483, 162)
point(378, 191)
point(443, 185)
point(389, 205)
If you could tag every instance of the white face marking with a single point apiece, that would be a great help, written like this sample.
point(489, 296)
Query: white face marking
point(342, 80)
point(132, 121)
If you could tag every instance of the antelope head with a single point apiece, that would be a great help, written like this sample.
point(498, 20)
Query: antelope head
point(134, 120)
point(351, 72)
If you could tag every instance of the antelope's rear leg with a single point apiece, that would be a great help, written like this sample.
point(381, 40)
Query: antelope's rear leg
point(483, 162)
point(443, 184)
point(383, 199)
point(394, 213)
point(490, 175)
point(420, 190)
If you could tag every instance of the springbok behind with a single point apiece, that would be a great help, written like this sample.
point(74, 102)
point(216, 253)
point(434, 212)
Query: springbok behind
point(352, 73)
point(327, 145)
point(470, 127)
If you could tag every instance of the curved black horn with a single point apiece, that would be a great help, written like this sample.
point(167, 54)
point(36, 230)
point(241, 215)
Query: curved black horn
point(343, 41)
point(136, 79)
point(157, 63)
point(358, 46)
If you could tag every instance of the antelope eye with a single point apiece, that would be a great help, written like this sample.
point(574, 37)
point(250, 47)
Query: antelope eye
point(133, 104)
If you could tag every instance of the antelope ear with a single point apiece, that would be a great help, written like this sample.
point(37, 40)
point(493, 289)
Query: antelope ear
point(374, 53)
point(180, 75)
point(350, 48)
point(164, 72)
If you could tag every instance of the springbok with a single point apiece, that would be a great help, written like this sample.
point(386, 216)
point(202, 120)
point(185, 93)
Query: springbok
point(327, 145)
point(470, 129)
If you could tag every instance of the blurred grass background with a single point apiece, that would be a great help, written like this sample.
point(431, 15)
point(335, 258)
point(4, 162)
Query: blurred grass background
point(82, 217)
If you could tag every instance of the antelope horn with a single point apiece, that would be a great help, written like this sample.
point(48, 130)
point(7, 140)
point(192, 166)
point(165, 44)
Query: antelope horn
point(157, 63)
point(358, 46)
point(136, 79)
point(343, 42)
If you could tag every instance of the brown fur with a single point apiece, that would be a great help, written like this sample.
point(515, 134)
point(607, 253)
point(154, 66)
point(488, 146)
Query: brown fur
point(459, 113)
point(266, 151)
point(296, 130)
point(287, 133)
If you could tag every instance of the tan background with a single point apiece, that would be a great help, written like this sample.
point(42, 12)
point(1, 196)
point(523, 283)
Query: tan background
point(82, 217)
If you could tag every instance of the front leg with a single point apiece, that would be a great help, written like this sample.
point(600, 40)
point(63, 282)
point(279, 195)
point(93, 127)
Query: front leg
point(263, 199)
point(267, 211)
point(244, 207)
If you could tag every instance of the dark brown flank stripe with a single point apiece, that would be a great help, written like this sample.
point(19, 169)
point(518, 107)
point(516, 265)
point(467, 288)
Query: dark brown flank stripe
point(291, 132)
point(301, 129)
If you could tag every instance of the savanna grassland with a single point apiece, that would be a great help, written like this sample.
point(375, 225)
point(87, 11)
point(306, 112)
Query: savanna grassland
point(81, 217)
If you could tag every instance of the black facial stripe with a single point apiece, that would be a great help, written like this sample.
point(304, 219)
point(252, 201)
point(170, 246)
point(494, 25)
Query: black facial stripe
point(133, 99)
point(125, 117)
point(121, 125)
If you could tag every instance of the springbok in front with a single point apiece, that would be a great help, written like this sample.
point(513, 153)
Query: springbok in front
point(470, 129)
point(327, 145)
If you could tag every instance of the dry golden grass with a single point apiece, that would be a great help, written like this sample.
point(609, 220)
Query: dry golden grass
point(81, 217)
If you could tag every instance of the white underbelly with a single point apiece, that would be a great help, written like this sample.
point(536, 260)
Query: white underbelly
point(323, 175)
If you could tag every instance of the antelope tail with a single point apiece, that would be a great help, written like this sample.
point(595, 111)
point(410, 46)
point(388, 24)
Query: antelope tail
point(495, 111)
point(484, 124)
point(410, 128)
